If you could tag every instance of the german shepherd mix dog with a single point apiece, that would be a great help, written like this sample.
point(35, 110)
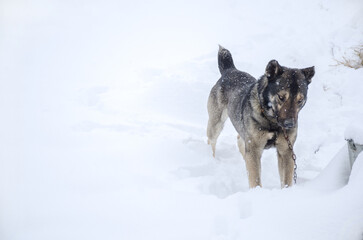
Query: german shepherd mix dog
point(260, 111)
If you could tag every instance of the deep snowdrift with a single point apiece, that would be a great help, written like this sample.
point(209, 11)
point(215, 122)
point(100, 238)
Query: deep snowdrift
point(104, 119)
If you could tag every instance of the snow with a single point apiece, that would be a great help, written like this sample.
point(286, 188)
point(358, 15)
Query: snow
point(103, 128)
point(356, 177)
point(355, 132)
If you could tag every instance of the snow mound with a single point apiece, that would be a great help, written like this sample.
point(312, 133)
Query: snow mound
point(355, 132)
point(335, 175)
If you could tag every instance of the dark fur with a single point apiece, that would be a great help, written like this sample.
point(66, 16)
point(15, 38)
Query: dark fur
point(259, 110)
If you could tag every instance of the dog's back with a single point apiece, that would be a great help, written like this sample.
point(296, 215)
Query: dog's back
point(227, 96)
point(232, 81)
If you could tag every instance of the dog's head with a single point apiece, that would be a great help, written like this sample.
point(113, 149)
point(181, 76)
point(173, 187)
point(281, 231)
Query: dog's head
point(286, 92)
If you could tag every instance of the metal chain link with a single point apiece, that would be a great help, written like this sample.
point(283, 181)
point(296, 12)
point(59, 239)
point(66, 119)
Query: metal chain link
point(293, 154)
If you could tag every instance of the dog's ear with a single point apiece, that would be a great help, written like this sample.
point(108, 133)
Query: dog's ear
point(273, 69)
point(309, 73)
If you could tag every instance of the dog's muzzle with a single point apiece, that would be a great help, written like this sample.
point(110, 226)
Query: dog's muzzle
point(289, 123)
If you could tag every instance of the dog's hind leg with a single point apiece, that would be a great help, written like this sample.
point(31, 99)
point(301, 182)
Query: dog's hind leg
point(217, 116)
point(215, 126)
point(241, 145)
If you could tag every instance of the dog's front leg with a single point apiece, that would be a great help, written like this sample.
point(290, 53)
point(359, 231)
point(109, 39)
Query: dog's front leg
point(285, 161)
point(286, 167)
point(252, 156)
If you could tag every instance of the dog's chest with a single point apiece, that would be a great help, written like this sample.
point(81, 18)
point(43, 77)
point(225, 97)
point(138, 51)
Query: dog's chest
point(271, 141)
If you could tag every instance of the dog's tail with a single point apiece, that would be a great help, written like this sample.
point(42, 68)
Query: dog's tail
point(225, 60)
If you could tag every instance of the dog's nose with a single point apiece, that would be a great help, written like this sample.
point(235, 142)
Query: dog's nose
point(289, 123)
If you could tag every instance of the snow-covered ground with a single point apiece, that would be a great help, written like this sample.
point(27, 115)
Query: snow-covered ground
point(103, 120)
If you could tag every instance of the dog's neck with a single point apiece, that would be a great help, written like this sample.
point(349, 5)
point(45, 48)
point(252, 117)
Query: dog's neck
point(273, 121)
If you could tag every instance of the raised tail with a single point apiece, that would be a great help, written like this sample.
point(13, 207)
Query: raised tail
point(225, 60)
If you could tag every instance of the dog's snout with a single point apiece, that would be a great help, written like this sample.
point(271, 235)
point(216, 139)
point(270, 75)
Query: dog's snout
point(289, 123)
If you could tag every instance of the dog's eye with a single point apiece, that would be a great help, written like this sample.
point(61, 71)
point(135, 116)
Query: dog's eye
point(300, 101)
point(282, 98)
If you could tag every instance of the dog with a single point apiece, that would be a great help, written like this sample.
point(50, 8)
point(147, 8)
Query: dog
point(260, 111)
